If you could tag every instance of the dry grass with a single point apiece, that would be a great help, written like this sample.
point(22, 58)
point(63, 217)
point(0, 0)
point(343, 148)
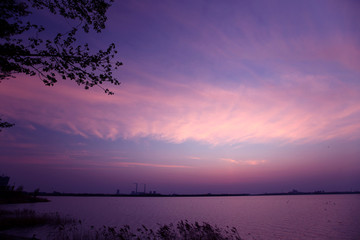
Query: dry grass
point(182, 230)
point(69, 229)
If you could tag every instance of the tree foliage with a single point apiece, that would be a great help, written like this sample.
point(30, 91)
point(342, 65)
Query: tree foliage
point(26, 49)
point(4, 124)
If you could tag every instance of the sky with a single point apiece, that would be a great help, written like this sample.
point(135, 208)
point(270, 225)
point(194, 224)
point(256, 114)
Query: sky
point(216, 97)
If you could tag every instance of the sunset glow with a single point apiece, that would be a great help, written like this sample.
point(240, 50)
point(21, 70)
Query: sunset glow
point(221, 97)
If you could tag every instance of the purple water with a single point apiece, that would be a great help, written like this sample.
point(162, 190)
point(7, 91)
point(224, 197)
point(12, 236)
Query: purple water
point(255, 217)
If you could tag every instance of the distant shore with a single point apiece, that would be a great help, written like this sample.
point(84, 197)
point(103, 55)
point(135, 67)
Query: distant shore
point(23, 197)
point(192, 195)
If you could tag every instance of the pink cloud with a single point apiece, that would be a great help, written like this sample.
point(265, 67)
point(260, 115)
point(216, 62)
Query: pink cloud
point(130, 164)
point(229, 160)
point(304, 108)
point(243, 162)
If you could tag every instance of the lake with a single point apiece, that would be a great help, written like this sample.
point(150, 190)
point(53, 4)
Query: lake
point(255, 217)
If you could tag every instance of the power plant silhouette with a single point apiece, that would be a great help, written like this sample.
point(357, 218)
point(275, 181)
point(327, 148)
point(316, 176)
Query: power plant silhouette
point(136, 192)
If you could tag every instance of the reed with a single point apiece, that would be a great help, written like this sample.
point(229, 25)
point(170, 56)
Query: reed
point(70, 229)
point(182, 230)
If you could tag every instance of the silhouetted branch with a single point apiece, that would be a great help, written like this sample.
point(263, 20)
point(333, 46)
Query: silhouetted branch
point(59, 57)
point(5, 124)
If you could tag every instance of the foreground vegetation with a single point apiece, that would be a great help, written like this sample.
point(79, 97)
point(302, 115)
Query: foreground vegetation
point(69, 229)
point(10, 194)
point(182, 230)
point(29, 218)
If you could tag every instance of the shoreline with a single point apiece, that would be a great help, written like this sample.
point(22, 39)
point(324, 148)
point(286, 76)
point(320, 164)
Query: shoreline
point(193, 195)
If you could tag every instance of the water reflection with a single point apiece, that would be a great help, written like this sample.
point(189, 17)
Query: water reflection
point(259, 217)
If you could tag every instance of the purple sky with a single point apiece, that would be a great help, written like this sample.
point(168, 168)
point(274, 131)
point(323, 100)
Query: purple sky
point(216, 96)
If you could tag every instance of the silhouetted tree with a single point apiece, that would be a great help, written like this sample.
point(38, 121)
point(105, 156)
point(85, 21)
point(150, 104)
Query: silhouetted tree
point(36, 192)
point(20, 189)
point(24, 48)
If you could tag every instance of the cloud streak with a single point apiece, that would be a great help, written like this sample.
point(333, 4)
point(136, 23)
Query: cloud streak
point(243, 162)
point(138, 164)
point(304, 108)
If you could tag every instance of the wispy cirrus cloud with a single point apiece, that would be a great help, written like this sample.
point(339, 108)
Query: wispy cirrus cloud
point(303, 108)
point(243, 162)
point(138, 164)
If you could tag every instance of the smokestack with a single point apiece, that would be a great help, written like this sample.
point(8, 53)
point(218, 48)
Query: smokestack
point(136, 186)
point(144, 188)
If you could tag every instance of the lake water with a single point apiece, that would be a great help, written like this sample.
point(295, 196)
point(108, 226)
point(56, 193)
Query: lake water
point(255, 217)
